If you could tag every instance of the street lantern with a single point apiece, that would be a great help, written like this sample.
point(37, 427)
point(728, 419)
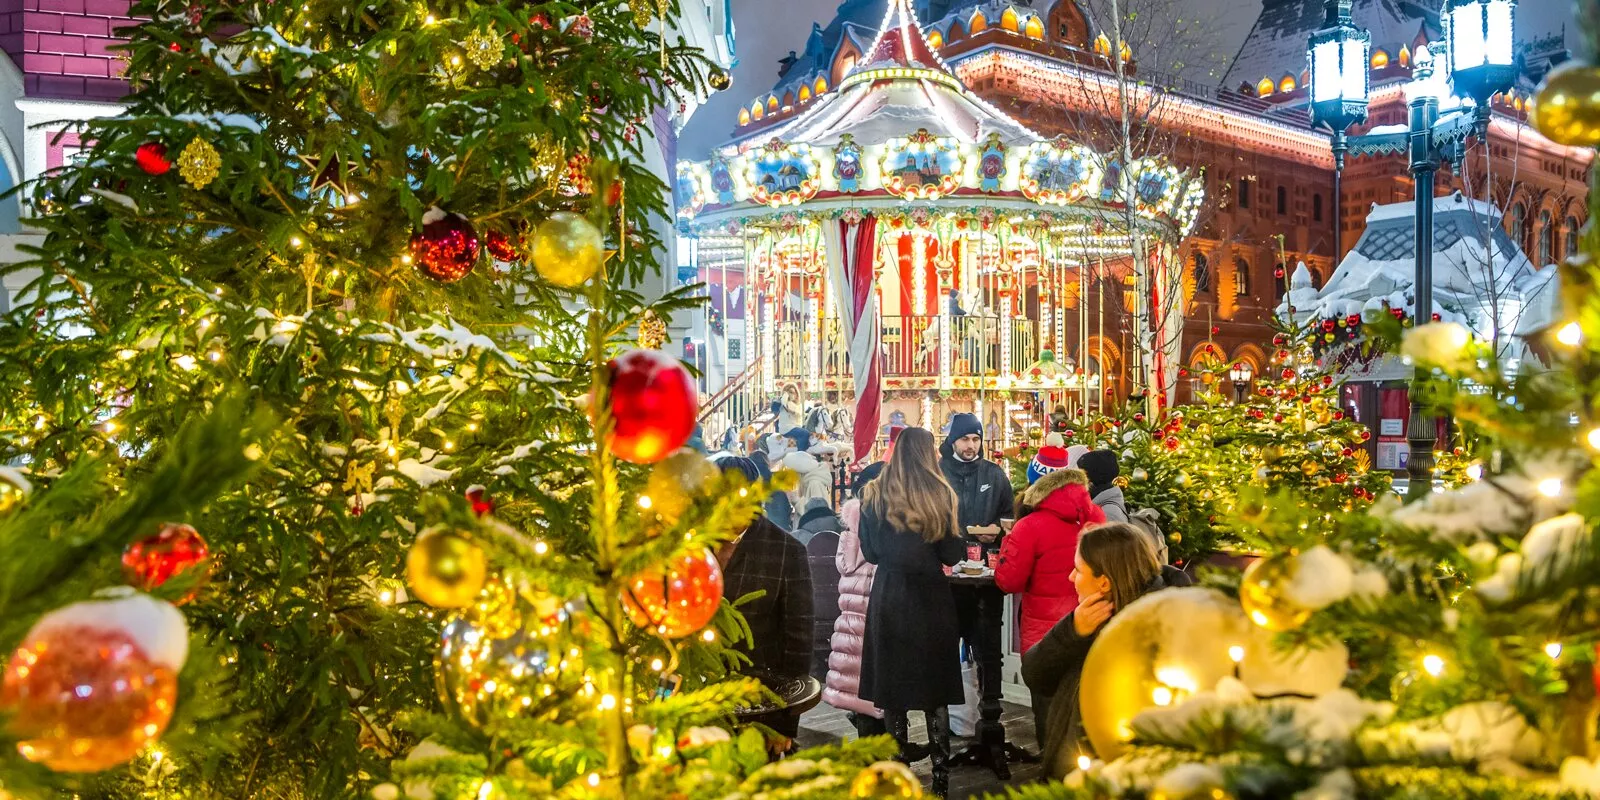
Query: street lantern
point(1479, 35)
point(1340, 80)
point(1240, 374)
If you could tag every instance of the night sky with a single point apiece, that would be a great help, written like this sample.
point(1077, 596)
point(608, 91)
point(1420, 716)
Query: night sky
point(769, 29)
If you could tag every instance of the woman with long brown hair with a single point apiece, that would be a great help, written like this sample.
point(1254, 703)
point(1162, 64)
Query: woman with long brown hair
point(1113, 567)
point(910, 659)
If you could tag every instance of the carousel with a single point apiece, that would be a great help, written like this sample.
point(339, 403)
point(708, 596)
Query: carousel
point(906, 243)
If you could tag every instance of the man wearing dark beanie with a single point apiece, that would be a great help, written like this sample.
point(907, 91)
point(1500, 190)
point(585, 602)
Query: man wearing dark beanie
point(983, 497)
point(1101, 467)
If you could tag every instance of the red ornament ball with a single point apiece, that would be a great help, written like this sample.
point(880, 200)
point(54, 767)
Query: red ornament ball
point(1340, 478)
point(93, 683)
point(1279, 340)
point(1277, 417)
point(1347, 452)
point(1328, 325)
point(1288, 374)
point(678, 599)
point(1216, 329)
point(1138, 417)
point(478, 496)
point(152, 158)
point(1436, 317)
point(653, 406)
point(503, 247)
point(1338, 415)
point(154, 560)
point(446, 248)
point(1353, 319)
point(1365, 435)
point(1172, 444)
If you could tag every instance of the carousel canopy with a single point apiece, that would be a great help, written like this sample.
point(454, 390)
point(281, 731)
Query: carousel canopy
point(901, 126)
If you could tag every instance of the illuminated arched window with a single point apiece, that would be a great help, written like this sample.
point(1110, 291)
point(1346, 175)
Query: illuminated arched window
point(744, 116)
point(772, 103)
point(821, 87)
point(757, 111)
point(978, 23)
point(1241, 270)
point(1034, 29)
point(1126, 52)
point(788, 98)
point(935, 40)
point(1287, 84)
point(1102, 45)
point(1264, 88)
point(1405, 56)
point(1380, 59)
point(1547, 237)
point(1009, 21)
point(805, 93)
point(957, 33)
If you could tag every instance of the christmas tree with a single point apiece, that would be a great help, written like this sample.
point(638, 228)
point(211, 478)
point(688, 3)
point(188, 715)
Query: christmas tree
point(327, 354)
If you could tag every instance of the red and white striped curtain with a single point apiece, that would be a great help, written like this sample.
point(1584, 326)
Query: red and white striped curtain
point(851, 248)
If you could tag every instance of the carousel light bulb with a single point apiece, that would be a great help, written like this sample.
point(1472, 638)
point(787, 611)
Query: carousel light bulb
point(1433, 665)
point(1553, 649)
point(1570, 334)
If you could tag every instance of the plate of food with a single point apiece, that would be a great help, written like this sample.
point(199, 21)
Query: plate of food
point(972, 569)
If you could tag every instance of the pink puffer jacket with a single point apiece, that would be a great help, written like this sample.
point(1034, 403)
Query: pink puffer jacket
point(855, 586)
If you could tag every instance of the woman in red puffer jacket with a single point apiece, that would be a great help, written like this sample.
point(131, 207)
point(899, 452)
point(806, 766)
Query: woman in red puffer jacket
point(1036, 557)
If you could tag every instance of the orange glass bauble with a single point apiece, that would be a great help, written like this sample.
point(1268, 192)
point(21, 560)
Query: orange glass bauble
point(676, 600)
point(94, 683)
point(653, 405)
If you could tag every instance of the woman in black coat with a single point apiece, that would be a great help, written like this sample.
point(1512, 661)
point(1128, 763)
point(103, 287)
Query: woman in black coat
point(1113, 567)
point(910, 658)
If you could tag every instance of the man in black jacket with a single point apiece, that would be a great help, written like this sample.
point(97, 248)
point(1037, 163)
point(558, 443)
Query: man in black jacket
point(983, 497)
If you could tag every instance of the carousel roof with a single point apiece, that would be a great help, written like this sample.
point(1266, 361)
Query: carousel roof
point(899, 86)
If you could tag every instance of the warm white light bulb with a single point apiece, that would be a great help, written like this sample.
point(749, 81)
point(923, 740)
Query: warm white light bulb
point(1236, 653)
point(1550, 487)
point(1162, 696)
point(1084, 762)
point(709, 636)
point(1475, 472)
point(645, 502)
point(1553, 649)
point(1594, 438)
point(1570, 334)
point(1433, 665)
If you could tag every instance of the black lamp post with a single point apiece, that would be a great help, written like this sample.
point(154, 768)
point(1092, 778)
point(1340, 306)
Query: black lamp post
point(1478, 64)
point(1240, 374)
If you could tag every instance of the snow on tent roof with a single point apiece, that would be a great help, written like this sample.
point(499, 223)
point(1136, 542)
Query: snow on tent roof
point(1277, 43)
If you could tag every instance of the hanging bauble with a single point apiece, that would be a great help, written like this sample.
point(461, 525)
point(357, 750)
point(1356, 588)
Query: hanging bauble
point(14, 489)
point(1140, 474)
point(1566, 108)
point(567, 249)
point(175, 549)
point(481, 676)
point(93, 683)
point(886, 779)
point(653, 330)
point(497, 610)
point(484, 49)
point(445, 569)
point(502, 247)
point(152, 158)
point(1263, 591)
point(653, 405)
point(199, 163)
point(720, 80)
point(478, 496)
point(446, 247)
point(678, 599)
point(676, 482)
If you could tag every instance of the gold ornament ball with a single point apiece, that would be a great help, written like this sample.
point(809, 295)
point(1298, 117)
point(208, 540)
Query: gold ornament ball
point(886, 779)
point(446, 570)
point(1566, 108)
point(14, 490)
point(1175, 537)
point(1262, 593)
point(676, 482)
point(567, 249)
point(1162, 646)
point(497, 610)
point(480, 677)
point(720, 80)
point(1310, 468)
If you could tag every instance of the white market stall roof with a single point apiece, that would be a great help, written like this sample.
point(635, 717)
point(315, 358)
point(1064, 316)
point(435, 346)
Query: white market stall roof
point(1474, 260)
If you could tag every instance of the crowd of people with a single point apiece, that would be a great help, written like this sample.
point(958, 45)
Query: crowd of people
point(876, 596)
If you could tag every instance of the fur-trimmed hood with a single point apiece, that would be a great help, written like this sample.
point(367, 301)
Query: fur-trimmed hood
point(1047, 484)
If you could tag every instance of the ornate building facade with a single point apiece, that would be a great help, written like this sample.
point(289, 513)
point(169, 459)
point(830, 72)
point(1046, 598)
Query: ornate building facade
point(1268, 176)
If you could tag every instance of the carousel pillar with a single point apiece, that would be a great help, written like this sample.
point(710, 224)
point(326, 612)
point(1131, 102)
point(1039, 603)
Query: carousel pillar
point(944, 264)
point(814, 333)
point(767, 317)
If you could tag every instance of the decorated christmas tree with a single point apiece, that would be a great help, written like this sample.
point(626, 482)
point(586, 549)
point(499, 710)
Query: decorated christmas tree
point(326, 355)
